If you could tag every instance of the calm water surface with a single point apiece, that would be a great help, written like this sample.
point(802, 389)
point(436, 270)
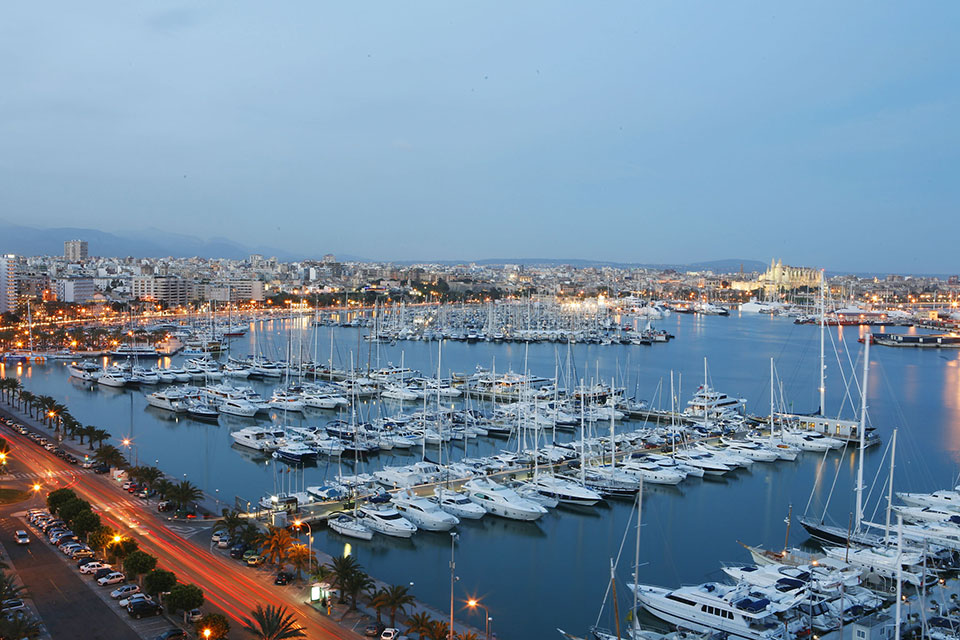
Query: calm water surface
point(538, 576)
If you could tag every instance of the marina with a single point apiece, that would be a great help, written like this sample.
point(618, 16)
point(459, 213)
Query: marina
point(753, 496)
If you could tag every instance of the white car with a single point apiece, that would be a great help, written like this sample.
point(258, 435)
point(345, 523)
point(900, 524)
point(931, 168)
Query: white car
point(219, 535)
point(111, 578)
point(135, 598)
point(195, 615)
point(93, 567)
point(125, 591)
point(21, 537)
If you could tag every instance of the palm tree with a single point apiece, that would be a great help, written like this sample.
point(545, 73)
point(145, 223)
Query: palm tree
point(398, 598)
point(378, 600)
point(272, 623)
point(97, 435)
point(150, 475)
point(164, 487)
point(111, 456)
point(185, 492)
point(439, 630)
point(466, 635)
point(9, 588)
point(355, 584)
point(301, 557)
point(341, 568)
point(420, 624)
point(277, 545)
point(231, 522)
point(28, 399)
point(20, 627)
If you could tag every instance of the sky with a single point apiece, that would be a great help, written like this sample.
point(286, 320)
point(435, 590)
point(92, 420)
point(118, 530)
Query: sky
point(822, 133)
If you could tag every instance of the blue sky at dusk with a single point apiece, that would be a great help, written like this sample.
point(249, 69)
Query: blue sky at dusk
point(824, 133)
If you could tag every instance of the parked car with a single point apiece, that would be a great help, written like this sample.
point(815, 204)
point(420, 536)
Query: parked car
point(255, 560)
point(82, 554)
point(195, 615)
point(373, 630)
point(13, 604)
point(111, 578)
point(102, 468)
point(220, 535)
point(237, 551)
point(165, 505)
point(21, 537)
point(172, 634)
point(128, 484)
point(102, 572)
point(136, 597)
point(93, 567)
point(391, 633)
point(88, 464)
point(143, 609)
point(125, 591)
point(144, 493)
point(249, 553)
point(85, 561)
point(284, 577)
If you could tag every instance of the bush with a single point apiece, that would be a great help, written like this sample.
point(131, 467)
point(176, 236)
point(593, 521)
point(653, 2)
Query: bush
point(218, 624)
point(159, 581)
point(184, 597)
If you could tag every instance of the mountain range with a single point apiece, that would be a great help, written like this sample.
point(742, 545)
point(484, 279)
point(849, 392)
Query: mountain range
point(156, 243)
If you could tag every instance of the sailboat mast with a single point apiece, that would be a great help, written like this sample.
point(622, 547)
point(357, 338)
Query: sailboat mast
point(823, 366)
point(893, 455)
point(771, 398)
point(862, 428)
point(636, 562)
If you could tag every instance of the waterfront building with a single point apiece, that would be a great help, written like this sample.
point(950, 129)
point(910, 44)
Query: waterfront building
point(8, 283)
point(76, 290)
point(171, 290)
point(75, 250)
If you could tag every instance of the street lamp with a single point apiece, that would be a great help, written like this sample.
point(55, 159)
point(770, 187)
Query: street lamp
point(299, 523)
point(473, 603)
point(206, 633)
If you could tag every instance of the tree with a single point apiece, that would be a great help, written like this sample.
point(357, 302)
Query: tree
point(159, 581)
point(185, 492)
point(85, 522)
point(111, 456)
point(355, 584)
point(420, 624)
point(71, 508)
point(398, 598)
point(466, 635)
point(272, 623)
point(231, 522)
point(120, 549)
point(250, 535)
point(20, 627)
point(276, 545)
point(184, 597)
point(439, 630)
point(301, 557)
point(378, 600)
point(139, 563)
point(149, 475)
point(218, 624)
point(97, 436)
point(9, 588)
point(59, 496)
point(98, 539)
point(341, 568)
point(164, 487)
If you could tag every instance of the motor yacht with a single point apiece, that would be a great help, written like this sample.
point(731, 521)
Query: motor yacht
point(346, 524)
point(169, 400)
point(565, 491)
point(238, 407)
point(653, 473)
point(502, 501)
point(457, 504)
point(424, 513)
point(386, 520)
point(259, 438)
point(86, 371)
point(295, 451)
point(113, 377)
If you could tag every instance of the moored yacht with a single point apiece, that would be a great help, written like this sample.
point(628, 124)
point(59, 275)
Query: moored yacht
point(457, 504)
point(259, 438)
point(386, 520)
point(86, 371)
point(346, 524)
point(422, 512)
point(502, 501)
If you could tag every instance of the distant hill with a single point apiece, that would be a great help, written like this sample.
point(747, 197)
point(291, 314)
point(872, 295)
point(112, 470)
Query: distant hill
point(152, 243)
point(729, 265)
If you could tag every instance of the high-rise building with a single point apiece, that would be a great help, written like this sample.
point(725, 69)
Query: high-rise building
point(75, 250)
point(8, 284)
point(77, 290)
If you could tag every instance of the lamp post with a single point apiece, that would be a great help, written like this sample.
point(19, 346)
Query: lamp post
point(473, 604)
point(453, 578)
point(298, 524)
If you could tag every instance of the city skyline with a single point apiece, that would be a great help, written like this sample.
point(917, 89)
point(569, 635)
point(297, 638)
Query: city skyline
point(644, 134)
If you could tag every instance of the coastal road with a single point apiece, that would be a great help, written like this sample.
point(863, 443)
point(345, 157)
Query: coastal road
point(226, 584)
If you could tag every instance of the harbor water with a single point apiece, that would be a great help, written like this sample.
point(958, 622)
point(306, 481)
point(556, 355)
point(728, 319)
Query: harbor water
point(535, 577)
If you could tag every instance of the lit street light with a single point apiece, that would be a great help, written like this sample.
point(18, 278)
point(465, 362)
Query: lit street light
point(473, 603)
point(299, 523)
point(206, 633)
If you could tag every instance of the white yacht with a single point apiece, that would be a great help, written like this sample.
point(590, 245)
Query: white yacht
point(346, 524)
point(396, 392)
point(169, 399)
point(286, 400)
point(502, 501)
point(238, 407)
point(457, 504)
point(408, 476)
point(259, 438)
point(145, 376)
point(566, 491)
point(741, 611)
point(422, 512)
point(86, 371)
point(709, 464)
point(713, 404)
point(386, 520)
point(179, 374)
point(882, 562)
point(929, 514)
point(810, 440)
point(652, 472)
point(113, 377)
point(318, 399)
point(942, 500)
point(752, 450)
point(295, 451)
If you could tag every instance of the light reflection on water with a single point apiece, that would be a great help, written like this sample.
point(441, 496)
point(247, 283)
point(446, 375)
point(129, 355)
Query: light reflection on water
point(563, 559)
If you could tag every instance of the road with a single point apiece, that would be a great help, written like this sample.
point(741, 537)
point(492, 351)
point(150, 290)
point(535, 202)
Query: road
point(57, 590)
point(226, 584)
